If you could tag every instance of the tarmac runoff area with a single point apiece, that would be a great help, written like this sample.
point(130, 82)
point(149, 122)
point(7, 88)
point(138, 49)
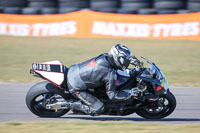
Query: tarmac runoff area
point(13, 107)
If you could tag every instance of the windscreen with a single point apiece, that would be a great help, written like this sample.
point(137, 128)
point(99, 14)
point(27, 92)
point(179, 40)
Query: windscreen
point(153, 71)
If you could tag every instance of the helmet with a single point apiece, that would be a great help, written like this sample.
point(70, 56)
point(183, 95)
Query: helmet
point(121, 55)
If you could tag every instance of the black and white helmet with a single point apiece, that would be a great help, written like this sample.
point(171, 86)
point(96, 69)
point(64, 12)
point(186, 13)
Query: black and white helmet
point(122, 56)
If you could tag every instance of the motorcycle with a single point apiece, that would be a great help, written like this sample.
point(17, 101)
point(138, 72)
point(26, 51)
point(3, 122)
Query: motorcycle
point(154, 101)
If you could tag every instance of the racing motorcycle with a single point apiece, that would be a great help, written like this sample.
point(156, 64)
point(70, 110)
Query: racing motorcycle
point(154, 101)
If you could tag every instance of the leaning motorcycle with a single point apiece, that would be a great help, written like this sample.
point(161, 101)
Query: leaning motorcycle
point(154, 100)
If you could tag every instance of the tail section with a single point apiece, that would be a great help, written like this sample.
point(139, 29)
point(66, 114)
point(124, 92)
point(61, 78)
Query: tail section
point(53, 71)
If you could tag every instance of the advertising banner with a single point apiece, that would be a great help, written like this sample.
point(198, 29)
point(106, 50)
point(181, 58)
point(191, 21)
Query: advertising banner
point(103, 25)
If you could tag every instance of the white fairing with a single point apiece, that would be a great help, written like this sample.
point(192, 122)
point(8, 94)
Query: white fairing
point(124, 73)
point(55, 77)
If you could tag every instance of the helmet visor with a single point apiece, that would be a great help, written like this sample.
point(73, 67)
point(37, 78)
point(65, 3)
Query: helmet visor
point(124, 61)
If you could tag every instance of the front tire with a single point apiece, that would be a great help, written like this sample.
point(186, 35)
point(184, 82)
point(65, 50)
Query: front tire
point(153, 112)
point(36, 96)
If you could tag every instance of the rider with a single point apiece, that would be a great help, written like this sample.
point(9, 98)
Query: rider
point(96, 72)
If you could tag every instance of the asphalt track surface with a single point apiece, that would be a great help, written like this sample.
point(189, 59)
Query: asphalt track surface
point(13, 107)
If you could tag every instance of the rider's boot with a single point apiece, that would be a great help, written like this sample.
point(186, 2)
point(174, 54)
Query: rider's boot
point(87, 104)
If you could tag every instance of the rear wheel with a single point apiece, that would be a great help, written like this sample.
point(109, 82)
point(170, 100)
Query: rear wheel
point(160, 108)
point(40, 95)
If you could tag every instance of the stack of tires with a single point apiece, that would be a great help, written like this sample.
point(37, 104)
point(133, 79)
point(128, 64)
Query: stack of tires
point(109, 6)
point(30, 7)
point(136, 6)
point(54, 6)
point(66, 6)
point(169, 6)
point(151, 6)
point(12, 6)
point(40, 7)
point(193, 5)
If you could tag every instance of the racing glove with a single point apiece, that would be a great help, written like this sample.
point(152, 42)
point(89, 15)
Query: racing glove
point(136, 62)
point(134, 72)
point(134, 92)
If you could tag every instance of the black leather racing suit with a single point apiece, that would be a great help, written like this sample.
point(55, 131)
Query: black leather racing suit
point(93, 73)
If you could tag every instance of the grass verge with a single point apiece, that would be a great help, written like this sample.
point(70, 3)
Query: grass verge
point(178, 59)
point(95, 127)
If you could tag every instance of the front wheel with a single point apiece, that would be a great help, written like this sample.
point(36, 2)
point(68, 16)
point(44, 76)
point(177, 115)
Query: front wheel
point(160, 108)
point(40, 94)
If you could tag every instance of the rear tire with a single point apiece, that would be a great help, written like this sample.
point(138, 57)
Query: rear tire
point(170, 107)
point(44, 88)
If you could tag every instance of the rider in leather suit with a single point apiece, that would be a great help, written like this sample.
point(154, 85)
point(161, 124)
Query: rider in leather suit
point(96, 72)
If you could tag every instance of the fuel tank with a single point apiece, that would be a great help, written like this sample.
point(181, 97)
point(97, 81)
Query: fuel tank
point(122, 77)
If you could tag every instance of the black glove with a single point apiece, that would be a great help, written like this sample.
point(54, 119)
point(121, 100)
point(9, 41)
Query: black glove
point(133, 72)
point(136, 62)
point(134, 92)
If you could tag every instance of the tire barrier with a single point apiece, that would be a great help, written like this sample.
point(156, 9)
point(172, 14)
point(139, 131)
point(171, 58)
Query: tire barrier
point(166, 11)
point(135, 4)
point(31, 7)
point(30, 11)
point(67, 10)
point(73, 3)
point(104, 5)
point(169, 4)
point(126, 11)
point(147, 11)
point(183, 11)
point(106, 10)
point(12, 10)
point(193, 5)
point(1, 10)
point(49, 10)
point(42, 4)
point(13, 3)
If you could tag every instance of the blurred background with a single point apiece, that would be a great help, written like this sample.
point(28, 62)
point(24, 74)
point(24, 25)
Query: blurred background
point(179, 59)
point(111, 6)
